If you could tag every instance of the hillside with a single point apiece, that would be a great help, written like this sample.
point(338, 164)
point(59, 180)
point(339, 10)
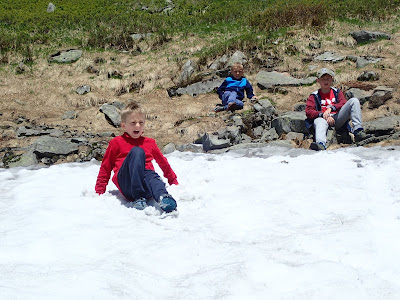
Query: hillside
point(40, 94)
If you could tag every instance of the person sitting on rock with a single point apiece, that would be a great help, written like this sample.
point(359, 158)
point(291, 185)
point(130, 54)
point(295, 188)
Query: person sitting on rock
point(328, 107)
point(130, 157)
point(232, 90)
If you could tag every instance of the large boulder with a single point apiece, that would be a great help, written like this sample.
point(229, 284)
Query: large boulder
point(289, 122)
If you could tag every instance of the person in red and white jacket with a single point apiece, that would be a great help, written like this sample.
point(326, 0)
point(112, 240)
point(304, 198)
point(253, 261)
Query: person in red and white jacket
point(130, 157)
point(328, 107)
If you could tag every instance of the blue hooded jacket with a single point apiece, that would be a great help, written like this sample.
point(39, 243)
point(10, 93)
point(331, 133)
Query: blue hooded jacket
point(236, 85)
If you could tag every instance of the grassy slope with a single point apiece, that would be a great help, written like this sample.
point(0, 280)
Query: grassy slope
point(199, 29)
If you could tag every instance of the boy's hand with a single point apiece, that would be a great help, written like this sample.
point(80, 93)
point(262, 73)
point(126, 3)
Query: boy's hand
point(175, 181)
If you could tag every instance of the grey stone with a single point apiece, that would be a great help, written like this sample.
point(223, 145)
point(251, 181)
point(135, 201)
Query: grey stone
point(51, 8)
point(268, 80)
point(265, 107)
point(367, 36)
point(368, 76)
point(66, 56)
point(197, 88)
point(190, 147)
point(26, 159)
point(239, 57)
point(269, 135)
point(329, 57)
point(237, 121)
point(83, 89)
point(383, 125)
point(258, 131)
point(70, 114)
point(140, 36)
point(299, 107)
point(112, 114)
point(212, 142)
point(288, 122)
point(314, 44)
point(118, 104)
point(169, 148)
point(362, 61)
point(188, 69)
point(46, 146)
point(361, 95)
point(219, 63)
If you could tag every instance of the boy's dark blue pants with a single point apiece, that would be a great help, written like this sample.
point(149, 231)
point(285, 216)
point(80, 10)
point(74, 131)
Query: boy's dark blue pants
point(137, 182)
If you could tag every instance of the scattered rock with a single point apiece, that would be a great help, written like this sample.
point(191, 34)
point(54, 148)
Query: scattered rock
point(83, 89)
point(51, 8)
point(66, 56)
point(368, 36)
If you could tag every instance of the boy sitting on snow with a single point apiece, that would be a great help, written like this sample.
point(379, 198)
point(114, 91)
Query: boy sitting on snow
point(130, 157)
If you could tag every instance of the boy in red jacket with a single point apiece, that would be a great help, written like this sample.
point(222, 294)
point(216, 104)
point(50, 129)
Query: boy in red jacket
point(130, 157)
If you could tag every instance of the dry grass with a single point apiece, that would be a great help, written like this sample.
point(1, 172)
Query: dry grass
point(45, 92)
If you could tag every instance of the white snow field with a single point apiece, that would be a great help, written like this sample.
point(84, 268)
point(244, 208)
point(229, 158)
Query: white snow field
point(266, 223)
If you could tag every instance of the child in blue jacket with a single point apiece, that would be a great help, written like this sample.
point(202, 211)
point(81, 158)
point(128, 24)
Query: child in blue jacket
point(231, 91)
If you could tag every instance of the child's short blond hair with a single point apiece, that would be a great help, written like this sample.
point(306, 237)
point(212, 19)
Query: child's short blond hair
point(132, 107)
point(236, 65)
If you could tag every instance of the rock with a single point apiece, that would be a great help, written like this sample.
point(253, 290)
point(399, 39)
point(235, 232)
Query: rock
point(21, 68)
point(265, 107)
point(25, 160)
point(51, 8)
point(219, 63)
point(299, 106)
point(83, 89)
point(269, 135)
point(268, 80)
point(70, 115)
point(380, 96)
point(367, 36)
point(367, 76)
point(140, 36)
point(258, 131)
point(289, 122)
point(237, 57)
point(190, 147)
point(314, 44)
point(169, 148)
point(383, 125)
point(66, 56)
point(362, 61)
point(188, 69)
point(47, 146)
point(197, 88)
point(212, 142)
point(361, 95)
point(112, 114)
point(329, 57)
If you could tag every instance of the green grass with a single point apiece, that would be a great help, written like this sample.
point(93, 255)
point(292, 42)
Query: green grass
point(28, 29)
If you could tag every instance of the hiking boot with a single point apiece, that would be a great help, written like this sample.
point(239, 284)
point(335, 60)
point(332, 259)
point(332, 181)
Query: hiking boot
point(360, 135)
point(167, 203)
point(140, 204)
point(317, 146)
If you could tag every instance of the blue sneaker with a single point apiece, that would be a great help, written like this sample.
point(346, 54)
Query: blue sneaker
point(167, 203)
point(140, 204)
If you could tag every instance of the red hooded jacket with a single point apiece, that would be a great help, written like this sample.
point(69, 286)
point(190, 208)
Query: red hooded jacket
point(116, 152)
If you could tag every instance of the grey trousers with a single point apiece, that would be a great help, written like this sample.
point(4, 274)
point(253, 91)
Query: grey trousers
point(350, 110)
